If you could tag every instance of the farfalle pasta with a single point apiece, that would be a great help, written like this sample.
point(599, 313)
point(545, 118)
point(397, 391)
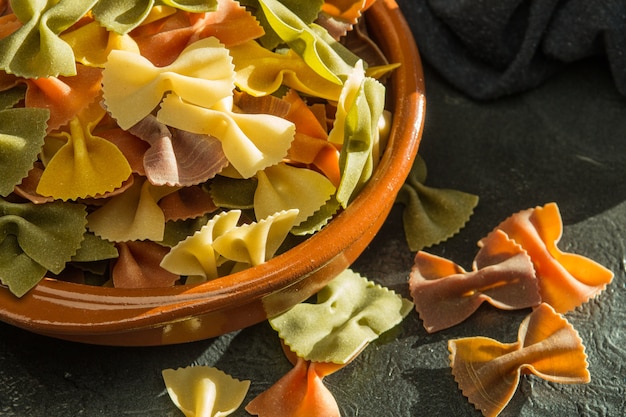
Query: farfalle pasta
point(65, 97)
point(254, 243)
point(133, 87)
point(356, 130)
point(22, 133)
point(431, 215)
point(488, 371)
point(350, 312)
point(279, 188)
point(37, 239)
point(300, 393)
point(139, 266)
point(156, 116)
point(178, 157)
point(243, 136)
point(132, 215)
point(566, 280)
point(260, 71)
point(34, 49)
point(445, 294)
point(195, 257)
point(319, 50)
point(92, 43)
point(223, 242)
point(203, 391)
point(86, 165)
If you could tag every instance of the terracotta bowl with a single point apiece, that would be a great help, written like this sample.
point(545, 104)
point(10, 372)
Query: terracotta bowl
point(113, 316)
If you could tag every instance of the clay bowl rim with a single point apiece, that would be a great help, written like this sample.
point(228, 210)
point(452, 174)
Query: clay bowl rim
point(152, 307)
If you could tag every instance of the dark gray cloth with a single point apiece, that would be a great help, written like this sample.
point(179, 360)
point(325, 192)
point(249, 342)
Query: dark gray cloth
point(494, 48)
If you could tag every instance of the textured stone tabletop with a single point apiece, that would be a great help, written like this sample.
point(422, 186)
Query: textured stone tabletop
point(564, 141)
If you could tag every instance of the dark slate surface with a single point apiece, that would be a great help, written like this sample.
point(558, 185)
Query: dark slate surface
point(563, 141)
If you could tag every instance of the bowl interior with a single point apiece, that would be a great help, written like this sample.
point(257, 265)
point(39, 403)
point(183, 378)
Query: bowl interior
point(183, 313)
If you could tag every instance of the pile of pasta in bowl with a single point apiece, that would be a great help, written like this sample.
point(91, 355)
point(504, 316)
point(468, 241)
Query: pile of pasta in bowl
point(169, 148)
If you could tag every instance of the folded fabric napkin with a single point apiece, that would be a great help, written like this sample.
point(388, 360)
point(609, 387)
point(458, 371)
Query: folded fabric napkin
point(494, 48)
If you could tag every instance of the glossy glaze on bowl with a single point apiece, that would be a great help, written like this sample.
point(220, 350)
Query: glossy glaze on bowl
point(114, 316)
